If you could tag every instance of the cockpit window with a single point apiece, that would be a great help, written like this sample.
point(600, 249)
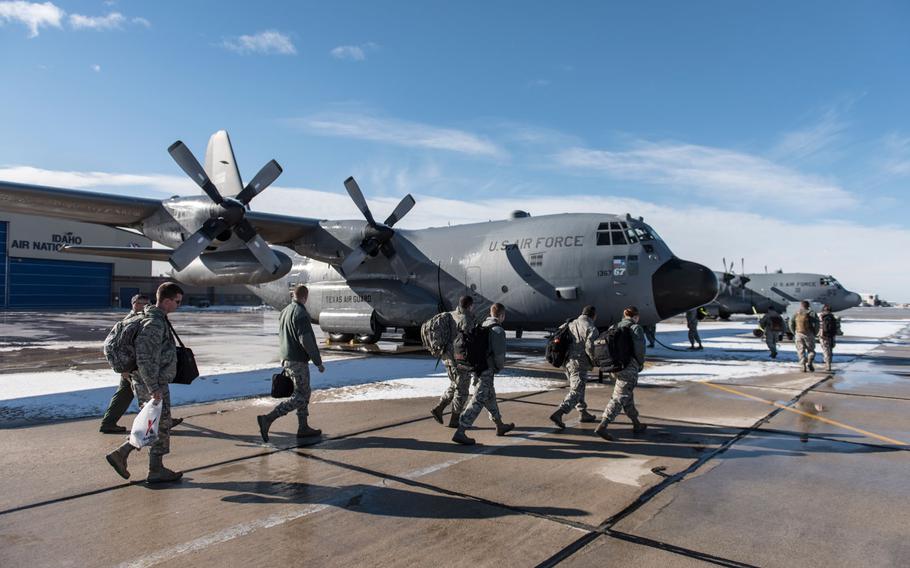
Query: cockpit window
point(622, 233)
point(619, 238)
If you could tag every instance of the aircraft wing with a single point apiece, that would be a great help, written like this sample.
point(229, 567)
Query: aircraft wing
point(281, 229)
point(85, 206)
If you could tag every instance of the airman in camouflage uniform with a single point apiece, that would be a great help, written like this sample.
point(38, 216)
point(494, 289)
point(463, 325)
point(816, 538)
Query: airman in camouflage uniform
point(459, 377)
point(156, 358)
point(692, 324)
point(297, 347)
point(772, 324)
point(122, 398)
point(579, 361)
point(485, 394)
point(804, 325)
point(827, 333)
point(625, 381)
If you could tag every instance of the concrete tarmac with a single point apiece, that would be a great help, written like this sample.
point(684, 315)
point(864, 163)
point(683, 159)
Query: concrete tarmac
point(807, 469)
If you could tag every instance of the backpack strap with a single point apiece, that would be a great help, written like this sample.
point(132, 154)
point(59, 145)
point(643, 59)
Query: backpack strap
point(174, 332)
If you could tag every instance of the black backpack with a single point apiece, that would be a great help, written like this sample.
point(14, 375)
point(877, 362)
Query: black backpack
point(620, 349)
point(829, 325)
point(558, 345)
point(472, 347)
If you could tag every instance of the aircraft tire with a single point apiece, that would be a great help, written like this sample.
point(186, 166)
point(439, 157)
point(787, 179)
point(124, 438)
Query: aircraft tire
point(340, 337)
point(368, 338)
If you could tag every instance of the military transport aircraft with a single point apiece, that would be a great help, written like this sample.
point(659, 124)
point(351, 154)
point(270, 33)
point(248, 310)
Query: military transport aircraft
point(756, 292)
point(367, 276)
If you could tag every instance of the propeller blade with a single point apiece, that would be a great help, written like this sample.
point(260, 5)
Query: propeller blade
point(196, 244)
point(353, 260)
point(188, 163)
point(405, 205)
point(266, 176)
point(359, 201)
point(257, 245)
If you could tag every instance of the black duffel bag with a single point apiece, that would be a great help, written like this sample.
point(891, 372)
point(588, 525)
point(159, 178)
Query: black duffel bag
point(282, 385)
point(187, 371)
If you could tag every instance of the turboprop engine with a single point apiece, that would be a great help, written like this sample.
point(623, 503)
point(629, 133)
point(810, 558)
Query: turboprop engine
point(237, 266)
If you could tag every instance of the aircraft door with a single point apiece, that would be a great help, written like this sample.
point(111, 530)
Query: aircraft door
point(472, 281)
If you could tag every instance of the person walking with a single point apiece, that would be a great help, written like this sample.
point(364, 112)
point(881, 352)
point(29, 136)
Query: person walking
point(625, 380)
point(459, 376)
point(828, 332)
point(485, 394)
point(296, 348)
point(692, 323)
point(156, 358)
point(772, 324)
point(123, 396)
point(804, 326)
point(579, 360)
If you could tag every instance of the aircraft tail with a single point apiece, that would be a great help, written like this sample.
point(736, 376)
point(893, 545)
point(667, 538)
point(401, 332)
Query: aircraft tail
point(221, 166)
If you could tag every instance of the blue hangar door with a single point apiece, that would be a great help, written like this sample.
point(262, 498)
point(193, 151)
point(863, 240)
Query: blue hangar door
point(3, 231)
point(42, 283)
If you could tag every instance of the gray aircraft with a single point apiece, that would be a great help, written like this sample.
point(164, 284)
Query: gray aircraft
point(366, 276)
point(756, 292)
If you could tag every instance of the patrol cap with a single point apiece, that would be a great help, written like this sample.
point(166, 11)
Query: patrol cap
point(139, 298)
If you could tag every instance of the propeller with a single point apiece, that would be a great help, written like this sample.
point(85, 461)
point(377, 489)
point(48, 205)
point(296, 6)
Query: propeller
point(376, 237)
point(228, 215)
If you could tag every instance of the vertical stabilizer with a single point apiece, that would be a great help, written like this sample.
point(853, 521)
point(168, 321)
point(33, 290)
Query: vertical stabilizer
point(221, 165)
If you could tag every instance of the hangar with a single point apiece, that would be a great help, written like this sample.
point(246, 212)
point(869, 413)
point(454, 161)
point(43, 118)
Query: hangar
point(34, 274)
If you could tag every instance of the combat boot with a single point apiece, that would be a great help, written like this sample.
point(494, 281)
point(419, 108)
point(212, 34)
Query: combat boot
point(828, 367)
point(601, 431)
point(462, 438)
point(437, 411)
point(587, 417)
point(454, 420)
point(118, 458)
point(502, 428)
point(811, 368)
point(304, 430)
point(160, 474)
point(556, 418)
point(265, 422)
point(638, 427)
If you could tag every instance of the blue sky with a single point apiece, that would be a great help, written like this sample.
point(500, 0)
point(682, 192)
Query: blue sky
point(777, 131)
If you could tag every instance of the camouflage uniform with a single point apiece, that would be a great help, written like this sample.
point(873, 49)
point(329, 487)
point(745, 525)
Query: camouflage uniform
point(626, 380)
point(122, 398)
point(804, 330)
point(828, 340)
point(772, 324)
point(650, 333)
point(296, 347)
point(578, 362)
point(156, 358)
point(485, 394)
point(459, 378)
point(692, 324)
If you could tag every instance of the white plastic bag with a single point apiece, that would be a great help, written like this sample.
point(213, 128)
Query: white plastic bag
point(145, 426)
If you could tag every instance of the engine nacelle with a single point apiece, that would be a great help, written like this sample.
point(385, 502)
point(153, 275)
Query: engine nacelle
point(237, 266)
point(355, 322)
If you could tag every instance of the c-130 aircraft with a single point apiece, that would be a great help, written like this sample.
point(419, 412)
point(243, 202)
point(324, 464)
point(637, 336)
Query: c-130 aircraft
point(364, 276)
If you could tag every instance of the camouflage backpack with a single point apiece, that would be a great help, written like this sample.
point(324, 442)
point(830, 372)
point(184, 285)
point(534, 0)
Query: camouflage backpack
point(436, 333)
point(119, 345)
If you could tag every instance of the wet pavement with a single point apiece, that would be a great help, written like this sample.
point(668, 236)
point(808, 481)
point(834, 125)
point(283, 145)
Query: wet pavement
point(775, 470)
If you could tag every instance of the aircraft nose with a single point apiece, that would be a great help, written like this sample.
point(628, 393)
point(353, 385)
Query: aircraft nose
point(680, 285)
point(853, 299)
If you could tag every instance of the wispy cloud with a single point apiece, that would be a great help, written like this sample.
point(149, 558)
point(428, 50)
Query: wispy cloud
point(721, 174)
point(353, 52)
point(269, 42)
point(399, 132)
point(32, 14)
point(897, 155)
point(112, 21)
point(142, 22)
point(96, 68)
point(165, 184)
point(823, 134)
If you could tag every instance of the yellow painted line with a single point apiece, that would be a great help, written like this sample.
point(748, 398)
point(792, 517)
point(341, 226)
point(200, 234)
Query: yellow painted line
point(807, 414)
